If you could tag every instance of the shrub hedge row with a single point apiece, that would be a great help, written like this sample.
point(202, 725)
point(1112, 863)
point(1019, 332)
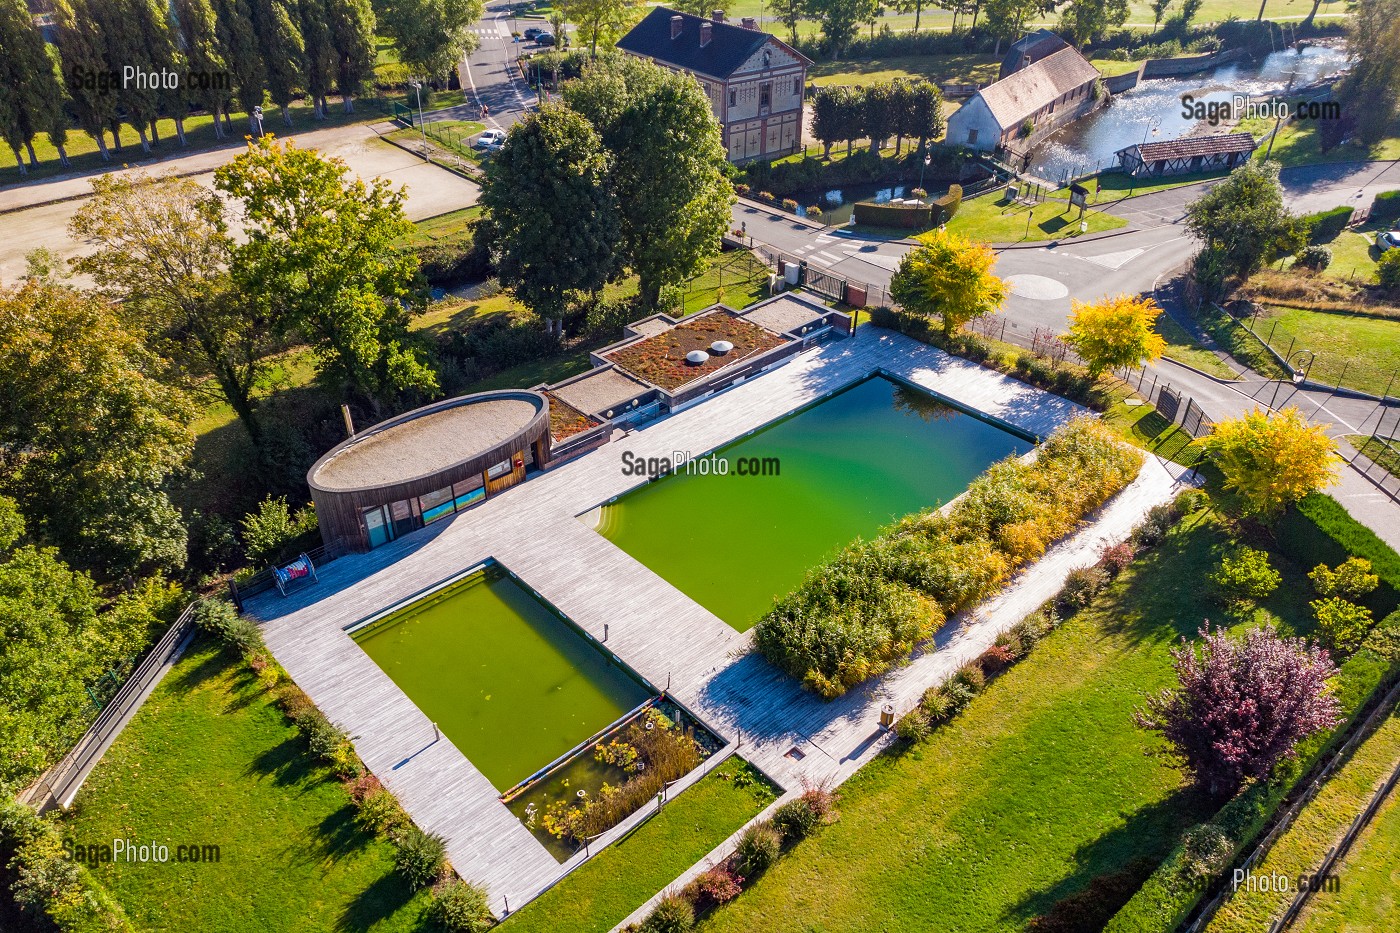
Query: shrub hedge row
point(1386, 205)
point(1326, 226)
point(866, 608)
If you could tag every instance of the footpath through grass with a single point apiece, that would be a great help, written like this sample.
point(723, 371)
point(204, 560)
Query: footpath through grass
point(209, 760)
point(604, 890)
point(1040, 785)
point(1317, 830)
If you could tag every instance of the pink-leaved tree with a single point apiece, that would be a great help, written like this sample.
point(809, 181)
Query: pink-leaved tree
point(1243, 704)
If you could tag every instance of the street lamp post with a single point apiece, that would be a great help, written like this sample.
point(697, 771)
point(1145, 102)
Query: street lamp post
point(258, 119)
point(928, 159)
point(422, 130)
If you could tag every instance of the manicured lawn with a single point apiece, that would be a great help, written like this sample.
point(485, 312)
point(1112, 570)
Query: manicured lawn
point(1370, 877)
point(1112, 186)
point(1318, 828)
point(442, 227)
point(1232, 337)
point(990, 219)
point(1183, 348)
point(599, 894)
point(1361, 351)
point(1041, 784)
point(965, 69)
point(1355, 254)
point(1382, 451)
point(1150, 430)
point(734, 278)
point(209, 760)
point(1297, 144)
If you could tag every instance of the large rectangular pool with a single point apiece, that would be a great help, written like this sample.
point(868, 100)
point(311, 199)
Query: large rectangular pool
point(509, 681)
point(840, 469)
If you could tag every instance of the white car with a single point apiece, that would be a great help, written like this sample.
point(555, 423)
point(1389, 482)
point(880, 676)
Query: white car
point(491, 140)
point(1389, 240)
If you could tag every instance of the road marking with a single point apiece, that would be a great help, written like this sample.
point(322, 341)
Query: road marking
point(828, 257)
point(1036, 287)
point(1114, 261)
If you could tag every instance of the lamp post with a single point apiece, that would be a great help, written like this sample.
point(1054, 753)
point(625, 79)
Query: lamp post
point(1297, 373)
point(422, 130)
point(258, 119)
point(928, 159)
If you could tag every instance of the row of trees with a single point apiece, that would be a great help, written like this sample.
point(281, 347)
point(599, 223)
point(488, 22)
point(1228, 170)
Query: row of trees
point(912, 109)
point(224, 55)
point(629, 173)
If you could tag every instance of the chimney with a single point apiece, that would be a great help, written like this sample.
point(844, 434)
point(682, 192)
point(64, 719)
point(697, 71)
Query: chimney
point(705, 30)
point(1025, 61)
point(676, 26)
point(717, 16)
point(750, 23)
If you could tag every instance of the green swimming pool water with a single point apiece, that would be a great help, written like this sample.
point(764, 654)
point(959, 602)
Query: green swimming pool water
point(508, 681)
point(845, 467)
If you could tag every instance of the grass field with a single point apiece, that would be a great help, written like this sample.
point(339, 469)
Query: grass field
point(1297, 144)
point(1355, 254)
point(604, 890)
point(1318, 828)
point(1183, 348)
point(1232, 337)
point(209, 760)
point(964, 69)
point(1384, 452)
point(1041, 784)
point(990, 219)
point(1370, 877)
point(1363, 352)
point(1150, 430)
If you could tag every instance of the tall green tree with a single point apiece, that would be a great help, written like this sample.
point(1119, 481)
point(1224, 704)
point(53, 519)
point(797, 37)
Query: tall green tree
point(789, 13)
point(668, 166)
point(826, 118)
point(313, 21)
point(83, 48)
point(162, 249)
point(238, 44)
point(431, 36)
point(283, 51)
point(320, 257)
point(1090, 20)
point(352, 25)
point(202, 55)
point(1006, 17)
point(1159, 10)
point(1242, 224)
point(90, 440)
point(1368, 93)
point(702, 7)
point(840, 19)
point(31, 95)
point(950, 278)
point(603, 22)
point(553, 210)
point(880, 116)
point(911, 6)
point(923, 111)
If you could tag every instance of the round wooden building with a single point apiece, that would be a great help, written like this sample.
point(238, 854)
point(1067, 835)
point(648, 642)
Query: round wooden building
point(423, 466)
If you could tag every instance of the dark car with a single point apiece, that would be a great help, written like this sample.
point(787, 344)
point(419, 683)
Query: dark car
point(533, 32)
point(545, 38)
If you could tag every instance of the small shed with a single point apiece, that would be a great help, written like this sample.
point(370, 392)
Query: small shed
point(1185, 155)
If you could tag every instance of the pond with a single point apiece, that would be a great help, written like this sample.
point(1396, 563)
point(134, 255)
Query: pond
point(1153, 109)
point(842, 468)
point(511, 683)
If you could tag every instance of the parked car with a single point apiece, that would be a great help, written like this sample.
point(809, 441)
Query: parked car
point(1389, 240)
point(491, 140)
point(545, 38)
point(533, 32)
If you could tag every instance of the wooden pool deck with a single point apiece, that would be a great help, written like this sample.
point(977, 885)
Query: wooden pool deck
point(653, 628)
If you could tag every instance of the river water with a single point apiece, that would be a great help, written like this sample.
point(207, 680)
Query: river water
point(1153, 109)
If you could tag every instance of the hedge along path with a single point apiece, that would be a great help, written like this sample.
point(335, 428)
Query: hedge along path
point(966, 636)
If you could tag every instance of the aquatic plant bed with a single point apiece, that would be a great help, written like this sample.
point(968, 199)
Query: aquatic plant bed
point(839, 469)
point(600, 893)
point(611, 778)
point(865, 609)
point(660, 359)
point(506, 678)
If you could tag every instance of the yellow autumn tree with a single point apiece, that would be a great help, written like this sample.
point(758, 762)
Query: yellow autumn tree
point(1115, 332)
point(1273, 460)
point(948, 277)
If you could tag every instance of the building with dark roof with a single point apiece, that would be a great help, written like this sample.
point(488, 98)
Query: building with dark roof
point(1017, 111)
point(1028, 50)
point(1185, 155)
point(754, 80)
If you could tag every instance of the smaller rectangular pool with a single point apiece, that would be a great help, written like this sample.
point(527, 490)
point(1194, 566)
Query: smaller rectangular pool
point(507, 679)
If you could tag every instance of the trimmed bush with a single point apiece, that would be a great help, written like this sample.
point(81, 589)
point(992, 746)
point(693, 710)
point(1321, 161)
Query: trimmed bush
point(674, 914)
point(914, 726)
point(1343, 624)
point(1352, 579)
point(1244, 577)
point(1081, 586)
point(867, 607)
point(947, 206)
point(1388, 270)
point(1384, 640)
point(459, 907)
point(421, 857)
point(1386, 205)
point(710, 889)
point(1315, 258)
point(1326, 226)
point(758, 848)
point(795, 820)
point(221, 619)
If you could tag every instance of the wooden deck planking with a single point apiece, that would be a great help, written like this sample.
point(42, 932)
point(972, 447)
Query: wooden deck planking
point(653, 627)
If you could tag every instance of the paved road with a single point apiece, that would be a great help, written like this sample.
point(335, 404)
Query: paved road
point(489, 75)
